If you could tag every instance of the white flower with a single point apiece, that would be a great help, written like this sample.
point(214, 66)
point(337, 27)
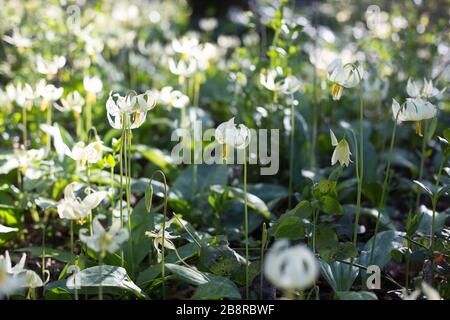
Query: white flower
point(22, 94)
point(173, 98)
point(103, 241)
point(50, 68)
point(129, 111)
point(183, 68)
point(73, 102)
point(343, 76)
point(290, 85)
point(60, 147)
point(414, 109)
point(430, 292)
point(341, 151)
point(73, 208)
point(92, 84)
point(229, 134)
point(48, 92)
point(158, 238)
point(414, 89)
point(268, 80)
point(186, 45)
point(321, 58)
point(16, 39)
point(291, 268)
point(86, 154)
point(208, 24)
point(10, 279)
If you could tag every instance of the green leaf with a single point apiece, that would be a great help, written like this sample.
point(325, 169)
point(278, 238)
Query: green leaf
point(189, 275)
point(253, 201)
point(217, 288)
point(338, 275)
point(112, 278)
point(326, 241)
point(353, 295)
point(330, 205)
point(424, 187)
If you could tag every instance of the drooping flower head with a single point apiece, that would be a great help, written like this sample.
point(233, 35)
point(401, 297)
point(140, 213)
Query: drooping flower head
point(102, 240)
point(229, 134)
point(341, 151)
point(73, 208)
point(414, 109)
point(129, 111)
point(343, 76)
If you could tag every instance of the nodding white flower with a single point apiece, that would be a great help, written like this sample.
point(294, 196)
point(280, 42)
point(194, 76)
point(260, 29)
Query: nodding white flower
point(27, 161)
point(130, 111)
point(157, 235)
point(103, 241)
point(267, 80)
point(86, 154)
point(231, 135)
point(414, 109)
point(185, 46)
point(204, 54)
point(93, 86)
point(341, 151)
point(183, 68)
point(173, 98)
point(343, 76)
point(10, 280)
point(16, 39)
point(31, 278)
point(49, 93)
point(72, 207)
point(54, 131)
point(414, 89)
point(72, 103)
point(22, 94)
point(50, 68)
point(208, 24)
point(290, 85)
point(321, 58)
point(291, 268)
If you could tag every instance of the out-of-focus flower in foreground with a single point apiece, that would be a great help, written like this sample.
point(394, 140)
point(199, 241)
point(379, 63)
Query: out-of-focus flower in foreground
point(291, 268)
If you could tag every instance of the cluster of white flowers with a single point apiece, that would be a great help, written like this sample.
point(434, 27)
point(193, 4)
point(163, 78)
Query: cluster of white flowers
point(13, 279)
point(130, 111)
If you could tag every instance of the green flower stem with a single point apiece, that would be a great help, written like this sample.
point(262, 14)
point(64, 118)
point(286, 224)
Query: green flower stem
point(384, 190)
point(88, 115)
point(261, 271)
point(360, 172)
point(127, 154)
point(100, 286)
point(422, 161)
point(435, 200)
point(49, 122)
point(291, 157)
point(166, 196)
point(246, 226)
point(43, 248)
point(24, 124)
point(122, 138)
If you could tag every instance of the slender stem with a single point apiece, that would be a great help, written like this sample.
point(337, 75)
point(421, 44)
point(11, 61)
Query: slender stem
point(24, 124)
point(263, 246)
point(291, 157)
point(422, 160)
point(361, 170)
point(166, 196)
point(384, 190)
point(435, 200)
point(128, 190)
point(100, 286)
point(88, 114)
point(315, 217)
point(43, 249)
point(49, 122)
point(121, 187)
point(246, 226)
point(71, 240)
